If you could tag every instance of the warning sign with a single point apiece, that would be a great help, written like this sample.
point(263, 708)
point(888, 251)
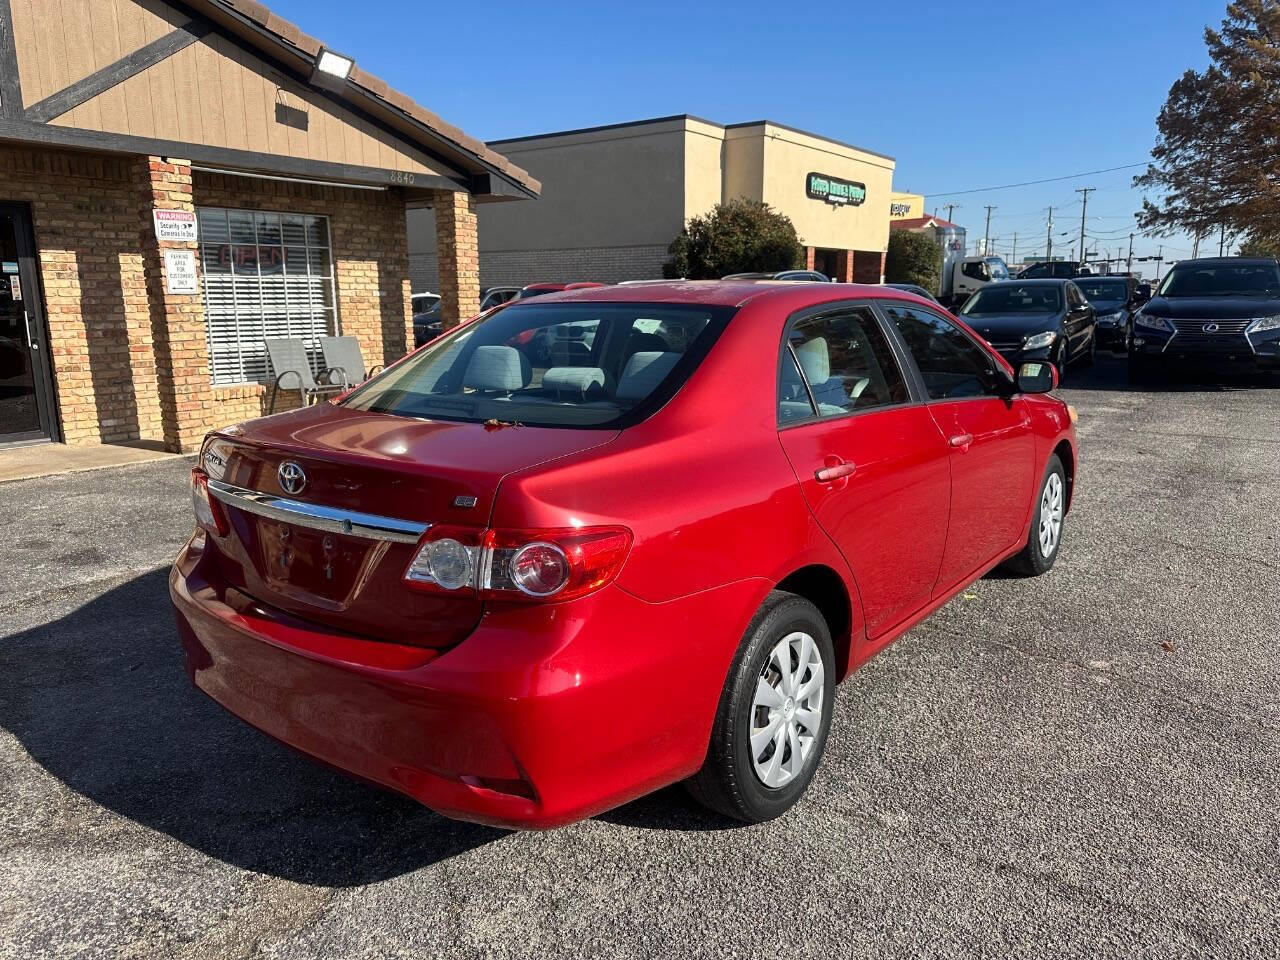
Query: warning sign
point(175, 226)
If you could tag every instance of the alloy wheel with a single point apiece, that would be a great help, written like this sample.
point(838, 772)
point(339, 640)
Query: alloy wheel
point(786, 712)
point(1051, 510)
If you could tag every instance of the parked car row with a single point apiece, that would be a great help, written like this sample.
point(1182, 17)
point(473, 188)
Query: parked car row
point(428, 322)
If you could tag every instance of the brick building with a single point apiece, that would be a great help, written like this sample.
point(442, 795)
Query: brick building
point(614, 197)
point(180, 181)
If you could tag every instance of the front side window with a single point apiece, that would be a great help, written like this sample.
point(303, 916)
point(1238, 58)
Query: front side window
point(952, 365)
point(550, 364)
point(976, 270)
point(847, 363)
point(266, 276)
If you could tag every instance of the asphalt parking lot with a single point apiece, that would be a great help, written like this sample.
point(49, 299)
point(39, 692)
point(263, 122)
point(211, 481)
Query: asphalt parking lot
point(1080, 765)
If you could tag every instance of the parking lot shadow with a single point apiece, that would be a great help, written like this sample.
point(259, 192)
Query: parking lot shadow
point(1111, 372)
point(100, 700)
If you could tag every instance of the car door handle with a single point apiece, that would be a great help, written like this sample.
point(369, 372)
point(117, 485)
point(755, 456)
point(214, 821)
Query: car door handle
point(962, 439)
point(835, 472)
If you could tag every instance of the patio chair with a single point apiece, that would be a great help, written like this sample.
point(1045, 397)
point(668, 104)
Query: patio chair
point(289, 362)
point(342, 356)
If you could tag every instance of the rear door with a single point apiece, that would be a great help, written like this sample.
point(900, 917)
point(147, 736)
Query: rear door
point(988, 432)
point(870, 459)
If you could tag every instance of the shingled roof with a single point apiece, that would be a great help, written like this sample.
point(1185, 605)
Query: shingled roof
point(282, 40)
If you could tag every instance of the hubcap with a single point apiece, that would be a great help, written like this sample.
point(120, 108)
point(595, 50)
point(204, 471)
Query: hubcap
point(1051, 508)
point(786, 713)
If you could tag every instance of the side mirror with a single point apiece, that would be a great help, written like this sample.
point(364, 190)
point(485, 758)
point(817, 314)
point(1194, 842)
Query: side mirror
point(1037, 377)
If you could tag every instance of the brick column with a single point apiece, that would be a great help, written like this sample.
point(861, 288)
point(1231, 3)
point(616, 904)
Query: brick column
point(844, 266)
point(177, 320)
point(458, 250)
point(809, 257)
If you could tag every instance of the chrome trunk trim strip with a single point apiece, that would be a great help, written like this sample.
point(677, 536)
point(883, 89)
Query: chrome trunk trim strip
point(330, 519)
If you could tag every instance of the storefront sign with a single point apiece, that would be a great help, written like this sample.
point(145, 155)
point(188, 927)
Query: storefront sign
point(175, 226)
point(10, 266)
point(180, 271)
point(835, 191)
point(899, 209)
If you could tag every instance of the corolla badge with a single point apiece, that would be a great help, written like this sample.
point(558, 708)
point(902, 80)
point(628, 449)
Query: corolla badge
point(292, 477)
point(1210, 328)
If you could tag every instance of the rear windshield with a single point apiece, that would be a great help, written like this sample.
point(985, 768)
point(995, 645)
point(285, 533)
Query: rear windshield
point(1223, 280)
point(1015, 298)
point(1104, 289)
point(551, 364)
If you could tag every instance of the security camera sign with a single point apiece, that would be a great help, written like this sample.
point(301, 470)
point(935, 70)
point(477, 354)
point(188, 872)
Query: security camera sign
point(175, 226)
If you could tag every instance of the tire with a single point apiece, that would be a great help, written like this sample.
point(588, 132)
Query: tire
point(1061, 362)
point(1034, 560)
point(1091, 357)
point(731, 781)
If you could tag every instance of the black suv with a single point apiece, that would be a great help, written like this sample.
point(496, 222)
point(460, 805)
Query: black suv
point(1053, 270)
point(1221, 313)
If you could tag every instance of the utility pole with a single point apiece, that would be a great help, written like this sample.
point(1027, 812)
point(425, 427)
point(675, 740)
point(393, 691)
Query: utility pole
point(986, 237)
point(1013, 257)
point(1048, 242)
point(1195, 247)
point(1222, 238)
point(1128, 267)
point(1084, 205)
point(951, 207)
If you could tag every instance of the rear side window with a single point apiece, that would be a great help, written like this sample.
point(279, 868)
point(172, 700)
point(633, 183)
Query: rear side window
point(551, 364)
point(952, 365)
point(841, 362)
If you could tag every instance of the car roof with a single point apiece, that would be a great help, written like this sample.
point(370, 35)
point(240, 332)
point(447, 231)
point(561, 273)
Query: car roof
point(1036, 282)
point(1226, 261)
point(732, 293)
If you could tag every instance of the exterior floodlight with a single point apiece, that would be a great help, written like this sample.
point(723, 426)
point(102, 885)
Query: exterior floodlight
point(332, 69)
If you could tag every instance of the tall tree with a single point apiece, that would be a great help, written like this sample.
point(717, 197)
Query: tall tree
point(1216, 160)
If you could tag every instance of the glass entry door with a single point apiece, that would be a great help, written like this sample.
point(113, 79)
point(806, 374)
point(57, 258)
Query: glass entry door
point(26, 395)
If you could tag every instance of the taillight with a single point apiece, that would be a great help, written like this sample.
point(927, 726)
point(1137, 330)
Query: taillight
point(546, 565)
point(209, 513)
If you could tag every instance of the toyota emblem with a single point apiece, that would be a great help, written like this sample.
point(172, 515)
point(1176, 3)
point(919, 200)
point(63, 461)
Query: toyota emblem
point(292, 477)
point(1210, 328)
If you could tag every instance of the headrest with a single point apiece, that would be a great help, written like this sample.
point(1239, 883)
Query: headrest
point(497, 368)
point(815, 360)
point(644, 371)
point(573, 379)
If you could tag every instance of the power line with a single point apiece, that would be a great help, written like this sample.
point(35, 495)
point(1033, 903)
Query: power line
point(1032, 183)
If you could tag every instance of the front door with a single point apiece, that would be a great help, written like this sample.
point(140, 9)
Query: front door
point(26, 396)
point(988, 431)
point(872, 463)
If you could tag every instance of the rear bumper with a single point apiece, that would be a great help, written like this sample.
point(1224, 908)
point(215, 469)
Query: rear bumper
point(544, 715)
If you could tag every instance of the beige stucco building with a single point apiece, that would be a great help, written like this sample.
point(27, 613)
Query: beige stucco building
point(614, 197)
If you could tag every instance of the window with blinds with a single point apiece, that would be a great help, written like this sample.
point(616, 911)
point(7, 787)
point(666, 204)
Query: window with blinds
point(266, 275)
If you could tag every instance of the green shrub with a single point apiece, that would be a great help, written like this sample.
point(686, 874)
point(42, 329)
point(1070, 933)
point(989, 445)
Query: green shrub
point(913, 258)
point(735, 237)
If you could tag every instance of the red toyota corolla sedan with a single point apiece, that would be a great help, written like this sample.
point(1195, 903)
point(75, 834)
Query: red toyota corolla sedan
point(526, 589)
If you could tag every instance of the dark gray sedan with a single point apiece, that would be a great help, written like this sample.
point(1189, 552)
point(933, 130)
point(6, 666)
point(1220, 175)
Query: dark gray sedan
point(1035, 320)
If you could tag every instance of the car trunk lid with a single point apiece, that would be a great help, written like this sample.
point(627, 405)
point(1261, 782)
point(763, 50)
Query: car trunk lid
point(326, 506)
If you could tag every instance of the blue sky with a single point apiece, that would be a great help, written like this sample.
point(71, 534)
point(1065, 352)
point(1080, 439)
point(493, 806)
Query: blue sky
point(963, 95)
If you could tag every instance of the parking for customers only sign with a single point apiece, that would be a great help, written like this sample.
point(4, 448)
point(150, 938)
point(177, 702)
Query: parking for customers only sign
point(175, 226)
